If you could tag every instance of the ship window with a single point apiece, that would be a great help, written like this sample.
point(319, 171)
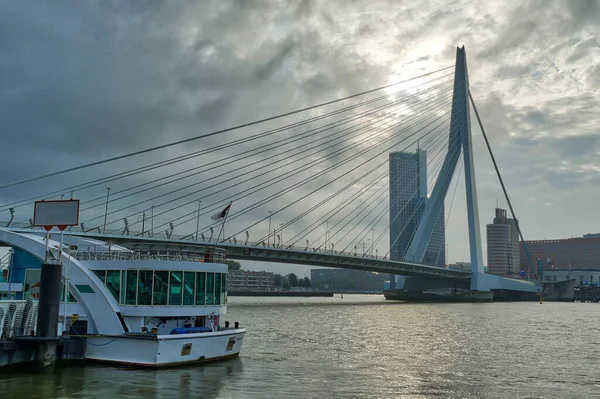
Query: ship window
point(101, 275)
point(200, 288)
point(218, 288)
point(83, 288)
point(161, 288)
point(113, 283)
point(131, 287)
point(144, 295)
point(175, 290)
point(210, 288)
point(62, 294)
point(188, 288)
point(224, 288)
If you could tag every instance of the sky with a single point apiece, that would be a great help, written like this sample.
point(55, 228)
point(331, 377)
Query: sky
point(85, 81)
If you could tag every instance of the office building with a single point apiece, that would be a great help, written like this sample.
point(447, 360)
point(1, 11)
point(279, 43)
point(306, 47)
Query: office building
point(244, 280)
point(408, 197)
point(568, 253)
point(503, 246)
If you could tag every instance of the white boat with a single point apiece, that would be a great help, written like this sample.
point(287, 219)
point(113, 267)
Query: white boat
point(144, 308)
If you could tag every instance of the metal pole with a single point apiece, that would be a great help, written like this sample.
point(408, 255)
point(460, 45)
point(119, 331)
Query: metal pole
point(10, 270)
point(269, 236)
point(47, 240)
point(281, 233)
point(326, 232)
point(143, 223)
point(198, 219)
point(64, 280)
point(152, 223)
point(372, 240)
point(106, 209)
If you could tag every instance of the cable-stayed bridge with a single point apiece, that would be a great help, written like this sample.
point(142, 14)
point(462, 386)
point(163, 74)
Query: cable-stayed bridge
point(322, 172)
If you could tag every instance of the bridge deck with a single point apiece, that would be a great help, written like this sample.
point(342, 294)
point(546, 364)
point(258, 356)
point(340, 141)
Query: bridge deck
point(271, 254)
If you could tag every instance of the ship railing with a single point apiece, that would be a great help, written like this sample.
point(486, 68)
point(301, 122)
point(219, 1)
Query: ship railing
point(214, 255)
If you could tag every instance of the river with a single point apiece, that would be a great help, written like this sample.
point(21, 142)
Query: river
point(366, 347)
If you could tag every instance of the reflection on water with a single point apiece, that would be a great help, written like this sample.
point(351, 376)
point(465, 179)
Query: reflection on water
point(363, 346)
point(112, 382)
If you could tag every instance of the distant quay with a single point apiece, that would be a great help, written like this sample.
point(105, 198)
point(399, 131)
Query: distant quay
point(282, 293)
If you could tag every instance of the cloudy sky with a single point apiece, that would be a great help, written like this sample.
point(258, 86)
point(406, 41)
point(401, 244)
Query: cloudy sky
point(84, 81)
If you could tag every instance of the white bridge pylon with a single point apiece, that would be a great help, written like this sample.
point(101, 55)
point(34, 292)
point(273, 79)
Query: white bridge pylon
point(459, 137)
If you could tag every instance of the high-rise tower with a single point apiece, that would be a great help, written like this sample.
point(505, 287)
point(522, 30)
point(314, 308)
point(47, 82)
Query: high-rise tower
point(408, 196)
point(503, 246)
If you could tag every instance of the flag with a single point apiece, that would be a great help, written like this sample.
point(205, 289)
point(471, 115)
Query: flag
point(221, 214)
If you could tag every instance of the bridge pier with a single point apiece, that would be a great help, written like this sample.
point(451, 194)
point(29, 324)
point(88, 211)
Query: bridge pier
point(442, 295)
point(420, 284)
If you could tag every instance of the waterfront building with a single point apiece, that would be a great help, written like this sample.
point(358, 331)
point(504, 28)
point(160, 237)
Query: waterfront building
point(408, 196)
point(567, 253)
point(582, 277)
point(503, 246)
point(245, 280)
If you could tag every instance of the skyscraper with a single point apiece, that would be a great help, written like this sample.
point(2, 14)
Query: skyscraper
point(503, 246)
point(408, 196)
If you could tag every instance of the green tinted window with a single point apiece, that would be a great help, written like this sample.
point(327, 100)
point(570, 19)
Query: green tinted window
point(218, 288)
point(224, 288)
point(188, 287)
point(161, 288)
point(83, 288)
point(101, 275)
point(113, 283)
point(175, 290)
point(71, 297)
point(200, 288)
point(210, 288)
point(144, 295)
point(131, 287)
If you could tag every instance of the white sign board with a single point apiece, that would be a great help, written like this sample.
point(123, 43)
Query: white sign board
point(56, 213)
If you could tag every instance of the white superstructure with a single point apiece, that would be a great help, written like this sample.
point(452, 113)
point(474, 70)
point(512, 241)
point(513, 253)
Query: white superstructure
point(150, 308)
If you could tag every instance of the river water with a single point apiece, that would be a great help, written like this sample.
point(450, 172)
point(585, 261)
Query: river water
point(366, 347)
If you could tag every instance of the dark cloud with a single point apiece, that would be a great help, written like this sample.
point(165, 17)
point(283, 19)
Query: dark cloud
point(84, 81)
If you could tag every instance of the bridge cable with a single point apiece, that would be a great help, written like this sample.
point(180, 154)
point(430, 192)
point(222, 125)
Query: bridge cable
point(450, 210)
point(414, 213)
point(163, 146)
point(259, 203)
point(181, 158)
point(337, 178)
point(338, 209)
point(295, 149)
point(437, 168)
point(487, 143)
point(204, 188)
point(363, 234)
point(457, 148)
point(281, 177)
point(250, 154)
point(356, 214)
point(434, 171)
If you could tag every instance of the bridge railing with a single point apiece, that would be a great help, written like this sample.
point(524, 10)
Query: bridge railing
point(166, 235)
point(191, 238)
